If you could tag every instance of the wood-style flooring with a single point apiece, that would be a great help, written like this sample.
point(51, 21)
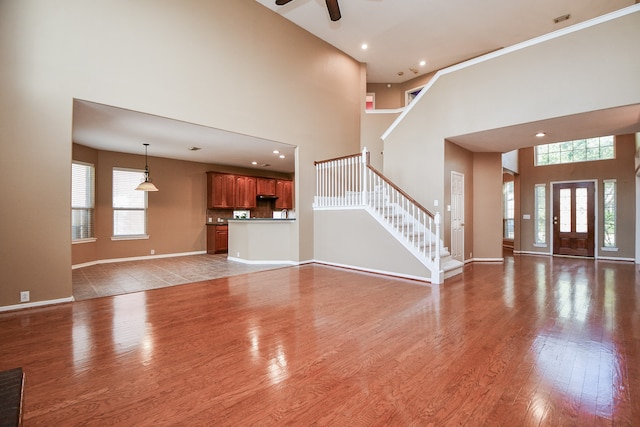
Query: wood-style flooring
point(534, 341)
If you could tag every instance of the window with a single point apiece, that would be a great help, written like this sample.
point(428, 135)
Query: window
point(610, 213)
point(509, 212)
point(540, 225)
point(82, 201)
point(370, 101)
point(129, 205)
point(582, 150)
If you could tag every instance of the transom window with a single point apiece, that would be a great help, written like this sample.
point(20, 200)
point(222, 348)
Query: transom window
point(581, 150)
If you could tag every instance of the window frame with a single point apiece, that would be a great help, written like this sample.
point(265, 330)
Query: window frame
point(506, 219)
point(614, 208)
point(540, 206)
point(90, 210)
point(114, 209)
point(575, 151)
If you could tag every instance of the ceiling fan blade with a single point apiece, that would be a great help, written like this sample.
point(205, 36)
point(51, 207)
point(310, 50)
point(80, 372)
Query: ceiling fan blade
point(334, 10)
point(282, 2)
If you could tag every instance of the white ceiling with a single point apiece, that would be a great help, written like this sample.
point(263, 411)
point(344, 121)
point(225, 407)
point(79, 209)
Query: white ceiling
point(401, 33)
point(116, 129)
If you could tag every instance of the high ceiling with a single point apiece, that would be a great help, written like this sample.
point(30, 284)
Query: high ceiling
point(401, 33)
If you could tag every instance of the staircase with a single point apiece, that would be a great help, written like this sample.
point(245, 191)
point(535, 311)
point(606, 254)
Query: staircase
point(351, 182)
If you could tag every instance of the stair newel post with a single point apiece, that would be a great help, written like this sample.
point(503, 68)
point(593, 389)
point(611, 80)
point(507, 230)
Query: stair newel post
point(365, 161)
point(437, 278)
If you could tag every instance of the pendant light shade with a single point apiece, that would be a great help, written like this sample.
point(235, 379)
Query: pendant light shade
point(146, 185)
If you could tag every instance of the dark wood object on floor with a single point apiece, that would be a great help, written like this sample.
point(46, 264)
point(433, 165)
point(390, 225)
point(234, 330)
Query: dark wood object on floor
point(532, 341)
point(11, 387)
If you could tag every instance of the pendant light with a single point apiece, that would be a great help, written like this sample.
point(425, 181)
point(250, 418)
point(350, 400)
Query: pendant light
point(146, 185)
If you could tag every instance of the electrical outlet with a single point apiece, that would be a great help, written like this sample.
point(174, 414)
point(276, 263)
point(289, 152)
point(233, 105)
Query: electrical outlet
point(153, 251)
point(25, 296)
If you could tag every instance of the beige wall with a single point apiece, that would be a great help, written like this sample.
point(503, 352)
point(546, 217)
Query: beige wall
point(390, 96)
point(354, 238)
point(621, 169)
point(232, 65)
point(513, 87)
point(175, 214)
point(487, 206)
point(457, 159)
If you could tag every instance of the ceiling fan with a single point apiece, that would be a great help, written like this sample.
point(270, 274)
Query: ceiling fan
point(332, 7)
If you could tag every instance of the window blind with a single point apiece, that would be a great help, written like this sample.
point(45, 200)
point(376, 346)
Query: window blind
point(82, 200)
point(129, 205)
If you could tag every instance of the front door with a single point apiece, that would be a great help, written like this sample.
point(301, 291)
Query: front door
point(574, 218)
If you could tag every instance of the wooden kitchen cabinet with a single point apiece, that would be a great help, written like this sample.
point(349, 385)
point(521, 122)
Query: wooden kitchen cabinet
point(246, 192)
point(217, 239)
point(221, 190)
point(284, 191)
point(266, 186)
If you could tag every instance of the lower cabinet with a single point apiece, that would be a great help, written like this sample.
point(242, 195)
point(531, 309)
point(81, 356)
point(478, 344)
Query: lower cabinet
point(217, 239)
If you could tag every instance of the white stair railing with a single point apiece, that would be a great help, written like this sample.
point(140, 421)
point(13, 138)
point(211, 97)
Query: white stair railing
point(351, 182)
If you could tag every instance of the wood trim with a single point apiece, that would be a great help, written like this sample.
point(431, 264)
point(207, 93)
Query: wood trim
point(340, 158)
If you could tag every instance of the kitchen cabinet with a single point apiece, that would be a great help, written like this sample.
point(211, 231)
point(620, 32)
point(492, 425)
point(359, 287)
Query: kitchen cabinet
point(246, 192)
point(284, 191)
point(266, 186)
point(217, 239)
point(221, 190)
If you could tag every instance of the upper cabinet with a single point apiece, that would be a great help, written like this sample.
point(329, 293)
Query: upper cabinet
point(229, 191)
point(221, 190)
point(266, 186)
point(284, 191)
point(245, 192)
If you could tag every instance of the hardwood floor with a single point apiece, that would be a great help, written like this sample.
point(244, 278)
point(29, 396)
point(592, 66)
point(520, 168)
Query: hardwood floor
point(533, 341)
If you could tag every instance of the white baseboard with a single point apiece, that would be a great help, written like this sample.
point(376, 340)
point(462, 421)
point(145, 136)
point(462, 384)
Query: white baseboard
point(375, 271)
point(262, 262)
point(135, 258)
point(531, 253)
point(36, 304)
point(484, 260)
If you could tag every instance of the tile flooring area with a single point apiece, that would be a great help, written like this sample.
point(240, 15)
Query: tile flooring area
point(119, 278)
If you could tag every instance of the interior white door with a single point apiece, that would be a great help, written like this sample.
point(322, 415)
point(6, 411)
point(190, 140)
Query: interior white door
point(457, 216)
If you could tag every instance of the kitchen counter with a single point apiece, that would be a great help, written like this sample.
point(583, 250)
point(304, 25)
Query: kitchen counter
point(263, 240)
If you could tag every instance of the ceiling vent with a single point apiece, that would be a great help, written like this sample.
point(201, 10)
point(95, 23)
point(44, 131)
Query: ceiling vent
point(561, 18)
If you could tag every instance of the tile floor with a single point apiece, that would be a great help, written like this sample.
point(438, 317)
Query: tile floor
point(133, 276)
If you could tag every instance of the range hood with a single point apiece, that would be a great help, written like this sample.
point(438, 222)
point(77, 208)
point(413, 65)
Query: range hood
point(267, 197)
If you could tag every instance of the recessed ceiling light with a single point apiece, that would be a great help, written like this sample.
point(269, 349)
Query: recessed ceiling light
point(254, 163)
point(276, 152)
point(541, 134)
point(194, 148)
point(281, 156)
point(364, 46)
point(423, 63)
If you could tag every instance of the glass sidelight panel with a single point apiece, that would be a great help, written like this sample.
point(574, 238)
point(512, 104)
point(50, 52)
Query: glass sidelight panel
point(565, 210)
point(581, 210)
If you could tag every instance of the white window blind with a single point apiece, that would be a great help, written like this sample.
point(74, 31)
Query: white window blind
point(129, 205)
point(82, 200)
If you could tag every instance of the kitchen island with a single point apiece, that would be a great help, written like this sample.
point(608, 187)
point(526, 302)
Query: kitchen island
point(262, 240)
